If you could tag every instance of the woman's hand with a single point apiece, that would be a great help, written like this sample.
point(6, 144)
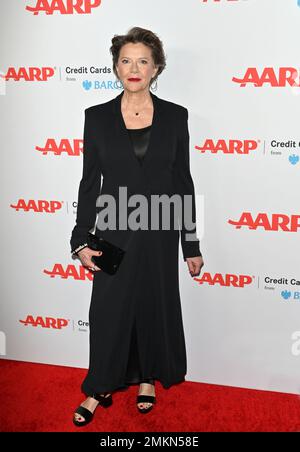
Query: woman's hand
point(195, 264)
point(85, 256)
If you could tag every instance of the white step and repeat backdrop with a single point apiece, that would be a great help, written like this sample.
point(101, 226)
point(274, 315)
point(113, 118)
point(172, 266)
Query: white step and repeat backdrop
point(235, 65)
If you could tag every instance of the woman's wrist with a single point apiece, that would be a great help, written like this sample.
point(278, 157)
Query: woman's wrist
point(79, 248)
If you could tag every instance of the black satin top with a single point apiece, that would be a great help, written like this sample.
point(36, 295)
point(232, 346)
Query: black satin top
point(140, 141)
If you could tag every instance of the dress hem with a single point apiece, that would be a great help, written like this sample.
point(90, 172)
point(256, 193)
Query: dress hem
point(86, 389)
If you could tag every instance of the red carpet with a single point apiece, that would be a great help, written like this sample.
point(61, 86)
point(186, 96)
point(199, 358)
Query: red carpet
point(41, 398)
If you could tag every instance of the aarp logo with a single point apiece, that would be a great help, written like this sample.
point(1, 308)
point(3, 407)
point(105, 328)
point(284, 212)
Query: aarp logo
point(63, 6)
point(29, 74)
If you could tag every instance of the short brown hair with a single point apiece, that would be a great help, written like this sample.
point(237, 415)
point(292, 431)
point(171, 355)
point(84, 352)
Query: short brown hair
point(146, 37)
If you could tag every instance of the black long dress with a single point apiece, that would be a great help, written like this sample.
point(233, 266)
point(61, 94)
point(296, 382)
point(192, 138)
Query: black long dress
point(135, 317)
point(140, 141)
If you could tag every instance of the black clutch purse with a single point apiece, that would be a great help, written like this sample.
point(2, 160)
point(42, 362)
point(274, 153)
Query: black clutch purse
point(111, 256)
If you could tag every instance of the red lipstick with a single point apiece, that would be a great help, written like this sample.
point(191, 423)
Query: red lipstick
point(134, 79)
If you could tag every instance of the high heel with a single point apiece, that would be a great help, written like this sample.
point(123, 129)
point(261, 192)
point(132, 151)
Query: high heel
point(141, 398)
point(104, 400)
point(145, 398)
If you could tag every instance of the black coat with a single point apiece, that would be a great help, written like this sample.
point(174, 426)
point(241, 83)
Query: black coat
point(144, 293)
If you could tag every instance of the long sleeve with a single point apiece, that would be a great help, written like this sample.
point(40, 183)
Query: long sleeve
point(185, 186)
point(89, 186)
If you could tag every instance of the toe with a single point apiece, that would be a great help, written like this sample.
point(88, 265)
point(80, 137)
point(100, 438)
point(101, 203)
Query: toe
point(78, 418)
point(144, 405)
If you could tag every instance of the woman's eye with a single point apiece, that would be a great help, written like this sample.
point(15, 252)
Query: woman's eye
point(143, 61)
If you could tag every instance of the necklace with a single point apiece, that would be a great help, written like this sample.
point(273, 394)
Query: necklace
point(137, 113)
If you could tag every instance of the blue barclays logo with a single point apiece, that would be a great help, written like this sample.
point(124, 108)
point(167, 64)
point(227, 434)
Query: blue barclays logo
point(298, 3)
point(104, 85)
point(87, 85)
point(294, 159)
point(287, 295)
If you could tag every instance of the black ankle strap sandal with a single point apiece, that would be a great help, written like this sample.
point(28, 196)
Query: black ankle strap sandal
point(103, 400)
point(145, 398)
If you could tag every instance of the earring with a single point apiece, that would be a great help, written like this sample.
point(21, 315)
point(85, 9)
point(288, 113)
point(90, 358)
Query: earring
point(119, 84)
point(151, 87)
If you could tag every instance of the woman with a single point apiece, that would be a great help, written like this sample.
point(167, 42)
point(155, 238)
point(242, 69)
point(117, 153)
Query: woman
point(140, 142)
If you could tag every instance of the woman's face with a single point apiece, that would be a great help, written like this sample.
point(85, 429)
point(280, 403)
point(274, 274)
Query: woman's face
point(135, 61)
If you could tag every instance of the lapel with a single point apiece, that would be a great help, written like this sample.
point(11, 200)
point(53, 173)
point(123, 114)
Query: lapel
point(123, 137)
